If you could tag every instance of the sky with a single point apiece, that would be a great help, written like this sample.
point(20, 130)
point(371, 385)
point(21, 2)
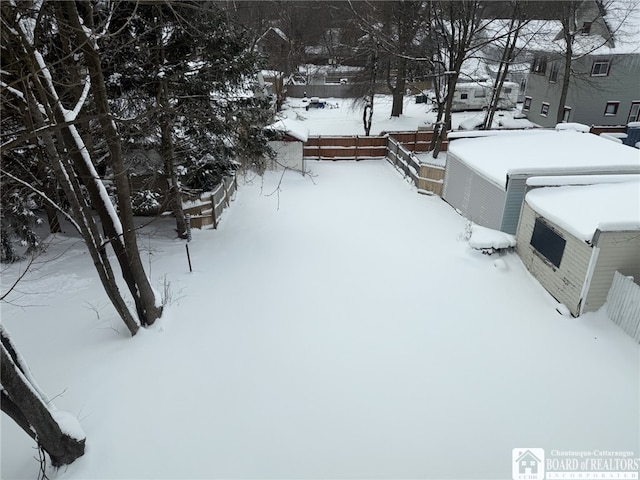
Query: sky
point(335, 325)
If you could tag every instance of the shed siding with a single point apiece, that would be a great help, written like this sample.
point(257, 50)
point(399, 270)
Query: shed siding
point(477, 198)
point(618, 251)
point(516, 189)
point(565, 282)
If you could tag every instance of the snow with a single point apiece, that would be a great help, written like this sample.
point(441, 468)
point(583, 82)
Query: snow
point(342, 117)
point(581, 210)
point(69, 424)
point(575, 127)
point(542, 152)
point(291, 127)
point(547, 181)
point(336, 325)
point(483, 238)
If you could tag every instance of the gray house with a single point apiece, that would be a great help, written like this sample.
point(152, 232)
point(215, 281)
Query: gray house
point(574, 238)
point(604, 87)
point(485, 177)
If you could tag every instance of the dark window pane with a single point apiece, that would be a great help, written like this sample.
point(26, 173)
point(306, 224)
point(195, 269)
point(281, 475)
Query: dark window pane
point(547, 242)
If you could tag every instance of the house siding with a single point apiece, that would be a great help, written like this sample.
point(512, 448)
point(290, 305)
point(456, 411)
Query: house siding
point(478, 199)
point(619, 251)
point(565, 282)
point(587, 96)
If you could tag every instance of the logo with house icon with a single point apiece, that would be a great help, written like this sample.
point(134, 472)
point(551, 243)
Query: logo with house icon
point(528, 463)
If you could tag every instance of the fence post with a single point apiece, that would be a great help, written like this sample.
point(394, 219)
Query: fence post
point(213, 211)
point(319, 147)
point(357, 147)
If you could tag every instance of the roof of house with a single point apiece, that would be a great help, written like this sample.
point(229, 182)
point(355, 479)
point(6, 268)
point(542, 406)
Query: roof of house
point(581, 210)
point(622, 20)
point(543, 152)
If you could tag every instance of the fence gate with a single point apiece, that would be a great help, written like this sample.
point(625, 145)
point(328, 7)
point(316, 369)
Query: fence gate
point(623, 305)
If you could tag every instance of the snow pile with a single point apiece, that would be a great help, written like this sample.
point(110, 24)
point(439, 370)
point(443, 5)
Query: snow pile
point(573, 127)
point(490, 241)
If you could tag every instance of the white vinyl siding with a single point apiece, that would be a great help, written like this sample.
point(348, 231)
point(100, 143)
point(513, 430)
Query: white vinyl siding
point(478, 199)
point(565, 282)
point(618, 251)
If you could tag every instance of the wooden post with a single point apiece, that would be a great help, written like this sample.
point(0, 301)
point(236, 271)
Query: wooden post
point(213, 212)
point(319, 148)
point(415, 141)
point(357, 147)
point(188, 256)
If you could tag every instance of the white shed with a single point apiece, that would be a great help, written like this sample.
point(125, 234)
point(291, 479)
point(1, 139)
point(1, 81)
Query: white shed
point(574, 238)
point(290, 147)
point(485, 177)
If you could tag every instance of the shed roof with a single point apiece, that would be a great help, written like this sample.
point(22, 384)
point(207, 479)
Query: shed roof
point(581, 210)
point(546, 152)
point(291, 127)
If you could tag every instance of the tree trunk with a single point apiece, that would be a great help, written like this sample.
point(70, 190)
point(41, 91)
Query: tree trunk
point(22, 402)
point(149, 307)
point(73, 193)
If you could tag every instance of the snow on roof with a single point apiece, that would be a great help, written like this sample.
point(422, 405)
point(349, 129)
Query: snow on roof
point(544, 152)
point(622, 19)
point(291, 127)
point(581, 210)
point(551, 181)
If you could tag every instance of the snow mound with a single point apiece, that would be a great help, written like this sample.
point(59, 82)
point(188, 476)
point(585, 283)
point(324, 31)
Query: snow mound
point(490, 241)
point(574, 127)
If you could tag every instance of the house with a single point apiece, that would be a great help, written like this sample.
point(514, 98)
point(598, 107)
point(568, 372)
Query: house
point(603, 87)
point(289, 145)
point(485, 177)
point(276, 47)
point(573, 238)
point(528, 463)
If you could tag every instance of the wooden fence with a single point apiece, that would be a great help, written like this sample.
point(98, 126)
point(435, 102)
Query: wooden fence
point(416, 141)
point(345, 148)
point(208, 209)
point(427, 178)
point(623, 305)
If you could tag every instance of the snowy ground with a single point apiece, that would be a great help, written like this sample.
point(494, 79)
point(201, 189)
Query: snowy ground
point(342, 117)
point(340, 327)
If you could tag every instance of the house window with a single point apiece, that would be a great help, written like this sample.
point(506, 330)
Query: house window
point(539, 65)
point(600, 68)
point(611, 109)
point(634, 113)
point(553, 72)
point(527, 104)
point(547, 242)
point(566, 113)
point(586, 28)
point(544, 110)
point(523, 85)
point(507, 90)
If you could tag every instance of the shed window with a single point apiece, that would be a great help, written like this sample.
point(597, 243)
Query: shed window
point(547, 242)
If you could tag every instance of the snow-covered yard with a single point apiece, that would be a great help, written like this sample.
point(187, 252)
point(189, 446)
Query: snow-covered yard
point(337, 327)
